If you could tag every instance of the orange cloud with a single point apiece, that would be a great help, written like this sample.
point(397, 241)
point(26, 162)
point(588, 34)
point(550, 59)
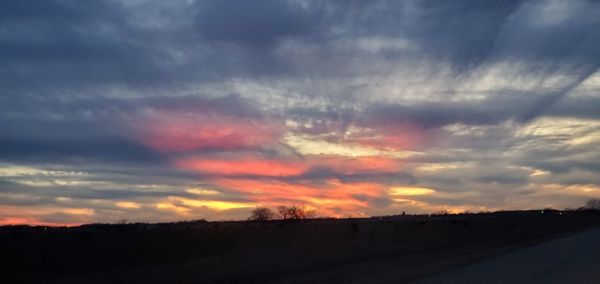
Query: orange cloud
point(185, 205)
point(410, 191)
point(23, 221)
point(269, 168)
point(330, 198)
point(128, 205)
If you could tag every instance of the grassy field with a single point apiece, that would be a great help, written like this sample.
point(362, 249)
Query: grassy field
point(394, 248)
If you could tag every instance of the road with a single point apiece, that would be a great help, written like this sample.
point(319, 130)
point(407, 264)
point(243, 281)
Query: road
point(574, 259)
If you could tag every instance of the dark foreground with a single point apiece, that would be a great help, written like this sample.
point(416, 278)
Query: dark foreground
point(392, 249)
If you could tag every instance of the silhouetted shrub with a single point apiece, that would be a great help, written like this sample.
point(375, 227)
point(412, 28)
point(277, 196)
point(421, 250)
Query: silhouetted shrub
point(295, 213)
point(261, 214)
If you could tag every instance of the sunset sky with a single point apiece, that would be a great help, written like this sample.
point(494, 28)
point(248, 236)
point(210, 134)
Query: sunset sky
point(152, 110)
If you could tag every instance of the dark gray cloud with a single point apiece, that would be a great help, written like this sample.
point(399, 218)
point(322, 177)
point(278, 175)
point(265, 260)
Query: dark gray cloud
point(252, 24)
point(99, 149)
point(463, 32)
point(65, 44)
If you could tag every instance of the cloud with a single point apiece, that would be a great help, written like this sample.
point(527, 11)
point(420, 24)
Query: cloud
point(250, 25)
point(309, 166)
point(114, 149)
point(491, 106)
point(179, 131)
point(242, 167)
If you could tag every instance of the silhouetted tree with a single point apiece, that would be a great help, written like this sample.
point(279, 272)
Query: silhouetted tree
point(303, 213)
point(441, 212)
point(261, 214)
point(283, 212)
point(593, 204)
point(295, 213)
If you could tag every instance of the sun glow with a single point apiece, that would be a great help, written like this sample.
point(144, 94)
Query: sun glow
point(410, 191)
point(128, 205)
point(185, 205)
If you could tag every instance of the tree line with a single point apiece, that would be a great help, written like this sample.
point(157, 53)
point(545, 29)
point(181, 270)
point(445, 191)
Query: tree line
point(281, 213)
point(300, 213)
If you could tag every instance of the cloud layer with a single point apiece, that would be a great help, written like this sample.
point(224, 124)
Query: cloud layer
point(156, 111)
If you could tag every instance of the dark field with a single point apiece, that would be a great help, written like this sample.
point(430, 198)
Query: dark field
point(388, 249)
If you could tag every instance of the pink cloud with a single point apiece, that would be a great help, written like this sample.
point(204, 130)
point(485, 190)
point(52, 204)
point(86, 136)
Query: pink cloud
point(253, 165)
point(179, 131)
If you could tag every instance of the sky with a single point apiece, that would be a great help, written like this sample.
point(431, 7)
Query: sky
point(156, 111)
